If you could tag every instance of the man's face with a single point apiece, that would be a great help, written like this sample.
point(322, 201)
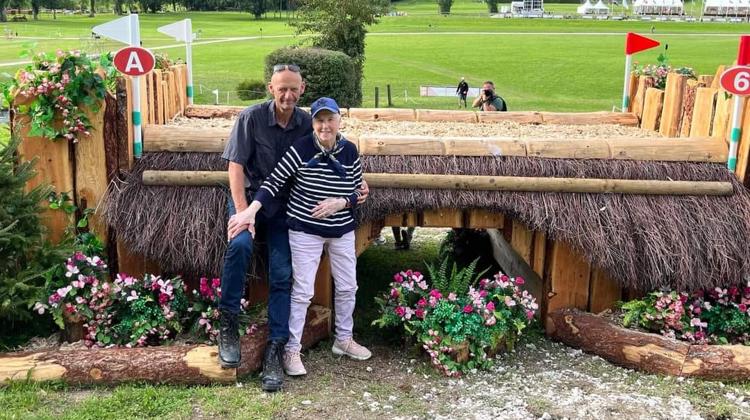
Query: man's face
point(487, 86)
point(286, 87)
point(326, 125)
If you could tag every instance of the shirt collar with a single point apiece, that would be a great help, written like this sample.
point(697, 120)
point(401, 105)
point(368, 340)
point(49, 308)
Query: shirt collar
point(294, 122)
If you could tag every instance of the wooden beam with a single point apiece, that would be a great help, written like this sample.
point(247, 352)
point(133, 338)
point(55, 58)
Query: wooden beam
point(483, 219)
point(652, 109)
point(381, 114)
point(513, 264)
point(567, 280)
point(480, 183)
point(442, 218)
point(521, 240)
point(437, 115)
point(688, 106)
point(722, 116)
point(639, 100)
point(743, 148)
point(590, 118)
point(159, 138)
point(672, 109)
point(91, 170)
point(516, 117)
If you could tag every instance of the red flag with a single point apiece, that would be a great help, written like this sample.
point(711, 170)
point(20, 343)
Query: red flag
point(743, 56)
point(635, 43)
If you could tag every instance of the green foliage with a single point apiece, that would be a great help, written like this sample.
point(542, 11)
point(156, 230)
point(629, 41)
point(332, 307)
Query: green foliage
point(456, 281)
point(55, 91)
point(251, 89)
point(326, 73)
point(339, 26)
point(492, 6)
point(256, 7)
point(444, 6)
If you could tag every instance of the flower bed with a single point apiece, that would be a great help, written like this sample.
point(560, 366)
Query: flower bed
point(460, 326)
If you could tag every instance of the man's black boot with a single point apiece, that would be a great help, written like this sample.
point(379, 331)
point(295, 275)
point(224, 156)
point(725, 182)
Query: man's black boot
point(272, 378)
point(229, 341)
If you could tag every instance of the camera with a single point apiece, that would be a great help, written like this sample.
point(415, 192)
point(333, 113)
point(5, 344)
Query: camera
point(488, 93)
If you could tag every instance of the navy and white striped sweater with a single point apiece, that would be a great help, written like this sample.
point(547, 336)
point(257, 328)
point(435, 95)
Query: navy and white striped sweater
point(312, 185)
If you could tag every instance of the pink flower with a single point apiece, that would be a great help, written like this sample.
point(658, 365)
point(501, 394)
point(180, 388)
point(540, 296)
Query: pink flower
point(216, 283)
point(394, 293)
point(520, 281)
point(742, 307)
point(435, 293)
point(482, 293)
point(397, 278)
point(468, 309)
point(400, 311)
point(529, 314)
point(452, 296)
point(491, 306)
point(163, 298)
point(422, 302)
point(509, 301)
point(419, 313)
point(490, 321)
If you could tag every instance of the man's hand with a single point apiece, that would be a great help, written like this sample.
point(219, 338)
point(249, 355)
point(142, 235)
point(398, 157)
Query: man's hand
point(328, 207)
point(244, 220)
point(364, 191)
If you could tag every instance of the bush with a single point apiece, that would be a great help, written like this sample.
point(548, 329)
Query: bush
point(326, 73)
point(251, 89)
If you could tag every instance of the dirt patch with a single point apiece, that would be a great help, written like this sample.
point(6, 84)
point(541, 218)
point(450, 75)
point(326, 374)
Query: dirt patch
point(356, 127)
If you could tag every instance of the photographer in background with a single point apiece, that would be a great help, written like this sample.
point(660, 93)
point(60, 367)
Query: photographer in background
point(488, 100)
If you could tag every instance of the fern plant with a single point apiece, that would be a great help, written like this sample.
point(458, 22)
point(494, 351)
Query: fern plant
point(456, 280)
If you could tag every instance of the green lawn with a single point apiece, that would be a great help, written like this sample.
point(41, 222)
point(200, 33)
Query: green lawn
point(538, 64)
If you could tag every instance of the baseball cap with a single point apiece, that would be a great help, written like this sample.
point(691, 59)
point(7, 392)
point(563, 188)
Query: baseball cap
point(324, 103)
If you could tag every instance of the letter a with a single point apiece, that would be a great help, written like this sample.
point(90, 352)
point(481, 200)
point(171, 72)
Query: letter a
point(134, 62)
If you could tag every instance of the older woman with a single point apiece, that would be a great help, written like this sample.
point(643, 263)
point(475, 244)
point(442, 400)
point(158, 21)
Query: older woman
point(326, 175)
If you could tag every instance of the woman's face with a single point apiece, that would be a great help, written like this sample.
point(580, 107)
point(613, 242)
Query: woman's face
point(326, 125)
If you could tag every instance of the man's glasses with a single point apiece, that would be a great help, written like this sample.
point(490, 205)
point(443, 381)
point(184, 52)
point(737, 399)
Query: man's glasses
point(281, 67)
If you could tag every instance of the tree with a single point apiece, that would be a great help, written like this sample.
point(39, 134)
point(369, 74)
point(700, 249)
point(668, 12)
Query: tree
point(92, 3)
point(444, 6)
point(492, 6)
point(256, 7)
point(118, 7)
point(339, 25)
point(35, 6)
point(3, 5)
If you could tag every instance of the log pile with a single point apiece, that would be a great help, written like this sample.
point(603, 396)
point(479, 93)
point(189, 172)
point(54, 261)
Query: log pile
point(178, 364)
point(647, 352)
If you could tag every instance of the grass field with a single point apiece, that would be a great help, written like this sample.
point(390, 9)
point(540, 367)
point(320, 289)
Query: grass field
point(537, 64)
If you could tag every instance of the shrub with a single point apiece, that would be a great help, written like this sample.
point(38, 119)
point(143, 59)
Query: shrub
point(251, 89)
point(326, 73)
point(460, 331)
point(204, 315)
point(716, 316)
point(659, 71)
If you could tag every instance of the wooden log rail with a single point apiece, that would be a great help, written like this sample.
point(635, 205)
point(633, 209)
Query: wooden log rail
point(647, 352)
point(178, 364)
point(432, 115)
point(482, 183)
point(159, 138)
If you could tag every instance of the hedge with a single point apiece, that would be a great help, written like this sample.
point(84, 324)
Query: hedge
point(326, 73)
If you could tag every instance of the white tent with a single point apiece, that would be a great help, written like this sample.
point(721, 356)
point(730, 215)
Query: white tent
point(726, 7)
point(593, 9)
point(658, 7)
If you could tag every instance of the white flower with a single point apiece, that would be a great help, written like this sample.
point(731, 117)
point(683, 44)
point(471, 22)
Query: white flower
point(133, 296)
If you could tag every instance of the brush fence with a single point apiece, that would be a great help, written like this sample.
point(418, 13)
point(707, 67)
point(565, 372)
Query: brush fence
point(698, 109)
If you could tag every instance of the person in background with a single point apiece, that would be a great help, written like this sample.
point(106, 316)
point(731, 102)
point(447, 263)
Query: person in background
point(462, 90)
point(488, 100)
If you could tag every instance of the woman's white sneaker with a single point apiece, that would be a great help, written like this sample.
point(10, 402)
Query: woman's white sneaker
point(350, 348)
point(293, 364)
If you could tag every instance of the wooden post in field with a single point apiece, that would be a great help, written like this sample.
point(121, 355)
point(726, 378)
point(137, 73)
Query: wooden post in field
point(688, 105)
point(672, 108)
point(377, 94)
point(722, 116)
point(703, 112)
point(639, 100)
point(652, 109)
point(390, 102)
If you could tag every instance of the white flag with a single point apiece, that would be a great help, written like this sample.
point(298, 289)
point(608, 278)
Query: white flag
point(124, 29)
point(180, 31)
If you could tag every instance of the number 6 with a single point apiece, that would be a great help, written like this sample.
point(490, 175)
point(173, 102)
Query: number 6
point(742, 81)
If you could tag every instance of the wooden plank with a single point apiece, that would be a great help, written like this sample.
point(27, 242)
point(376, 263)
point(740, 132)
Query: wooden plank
point(604, 293)
point(151, 115)
point(706, 79)
point(145, 104)
point(743, 149)
point(411, 220)
point(91, 171)
point(633, 88)
point(381, 114)
point(540, 248)
point(396, 219)
point(590, 118)
point(442, 218)
point(672, 108)
point(53, 167)
point(517, 117)
point(652, 109)
point(362, 238)
point(722, 116)
point(688, 105)
point(111, 137)
point(158, 94)
point(179, 89)
point(324, 283)
point(164, 102)
point(716, 82)
point(483, 219)
point(639, 99)
point(521, 240)
point(567, 283)
point(436, 115)
point(703, 112)
point(171, 79)
point(184, 87)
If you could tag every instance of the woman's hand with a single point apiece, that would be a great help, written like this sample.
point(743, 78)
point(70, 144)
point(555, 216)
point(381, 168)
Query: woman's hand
point(328, 207)
point(244, 220)
point(364, 191)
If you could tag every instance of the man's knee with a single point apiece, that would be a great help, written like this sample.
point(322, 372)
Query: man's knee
point(240, 246)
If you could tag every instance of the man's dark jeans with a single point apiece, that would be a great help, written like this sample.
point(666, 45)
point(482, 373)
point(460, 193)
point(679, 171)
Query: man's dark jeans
point(236, 261)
